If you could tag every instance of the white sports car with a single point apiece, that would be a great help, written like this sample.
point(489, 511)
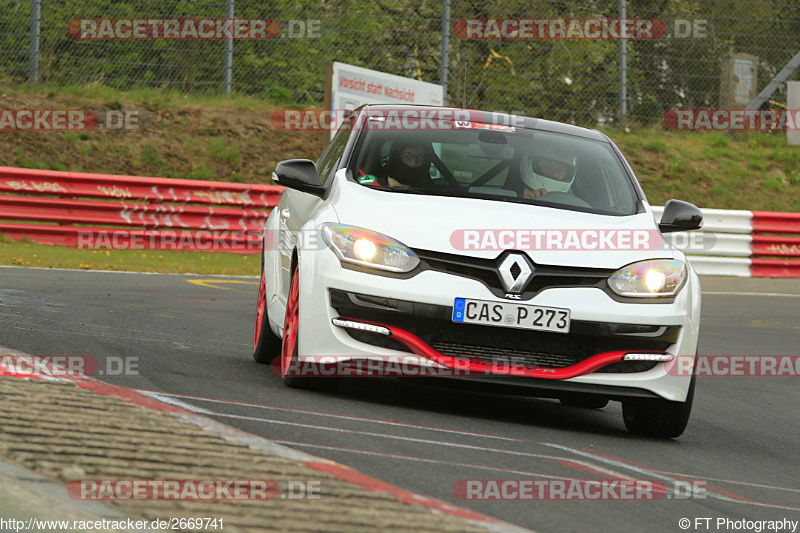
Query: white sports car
point(519, 249)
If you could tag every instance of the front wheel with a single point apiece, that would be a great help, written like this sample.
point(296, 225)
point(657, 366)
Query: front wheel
point(658, 418)
point(291, 341)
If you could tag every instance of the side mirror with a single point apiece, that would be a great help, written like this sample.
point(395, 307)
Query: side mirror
point(299, 174)
point(680, 216)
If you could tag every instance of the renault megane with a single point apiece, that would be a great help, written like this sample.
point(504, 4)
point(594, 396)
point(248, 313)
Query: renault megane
point(519, 248)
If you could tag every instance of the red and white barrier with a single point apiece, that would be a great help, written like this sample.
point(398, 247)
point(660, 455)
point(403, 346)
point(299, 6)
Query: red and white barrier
point(131, 212)
point(743, 243)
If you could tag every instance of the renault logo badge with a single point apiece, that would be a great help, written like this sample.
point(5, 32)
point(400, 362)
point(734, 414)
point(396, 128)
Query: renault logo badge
point(515, 272)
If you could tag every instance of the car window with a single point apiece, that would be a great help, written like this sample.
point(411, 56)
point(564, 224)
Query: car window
point(468, 167)
point(512, 165)
point(329, 160)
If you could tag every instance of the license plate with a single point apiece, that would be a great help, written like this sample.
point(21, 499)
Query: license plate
point(511, 315)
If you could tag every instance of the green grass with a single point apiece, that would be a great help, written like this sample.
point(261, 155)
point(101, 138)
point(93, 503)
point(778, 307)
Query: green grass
point(232, 138)
point(201, 172)
point(153, 98)
point(755, 170)
point(31, 254)
point(222, 151)
point(656, 145)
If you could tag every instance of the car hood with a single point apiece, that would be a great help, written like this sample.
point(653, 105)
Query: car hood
point(438, 223)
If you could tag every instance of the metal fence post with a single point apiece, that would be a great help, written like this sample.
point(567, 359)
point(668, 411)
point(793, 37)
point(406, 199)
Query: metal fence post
point(623, 72)
point(781, 77)
point(228, 50)
point(443, 67)
point(33, 61)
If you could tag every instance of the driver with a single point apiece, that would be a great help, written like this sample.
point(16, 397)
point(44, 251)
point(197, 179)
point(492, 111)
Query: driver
point(553, 172)
point(408, 166)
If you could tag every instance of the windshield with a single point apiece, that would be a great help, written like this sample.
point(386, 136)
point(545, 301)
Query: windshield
point(499, 163)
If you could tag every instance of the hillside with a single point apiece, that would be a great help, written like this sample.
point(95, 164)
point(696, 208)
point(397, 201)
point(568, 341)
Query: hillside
point(233, 139)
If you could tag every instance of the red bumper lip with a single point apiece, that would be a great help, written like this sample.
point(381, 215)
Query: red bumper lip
point(423, 349)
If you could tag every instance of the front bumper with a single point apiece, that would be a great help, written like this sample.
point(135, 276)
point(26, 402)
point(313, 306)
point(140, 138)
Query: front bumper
point(603, 331)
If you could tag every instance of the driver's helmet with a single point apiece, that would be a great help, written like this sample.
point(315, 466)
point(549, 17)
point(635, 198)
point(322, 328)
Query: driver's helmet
point(548, 166)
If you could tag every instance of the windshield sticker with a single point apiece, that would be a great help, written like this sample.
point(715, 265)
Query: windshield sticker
point(468, 125)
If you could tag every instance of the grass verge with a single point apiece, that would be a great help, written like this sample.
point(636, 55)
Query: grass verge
point(30, 254)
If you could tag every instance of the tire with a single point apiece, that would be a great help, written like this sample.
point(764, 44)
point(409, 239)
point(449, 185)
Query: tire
point(266, 345)
point(586, 402)
point(291, 341)
point(658, 418)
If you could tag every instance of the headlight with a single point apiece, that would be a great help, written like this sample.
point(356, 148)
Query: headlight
point(361, 246)
point(648, 279)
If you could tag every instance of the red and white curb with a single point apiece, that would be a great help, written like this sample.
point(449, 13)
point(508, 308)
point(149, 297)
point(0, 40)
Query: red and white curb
point(195, 416)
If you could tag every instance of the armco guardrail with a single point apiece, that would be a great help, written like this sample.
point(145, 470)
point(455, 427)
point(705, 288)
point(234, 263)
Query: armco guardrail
point(743, 243)
point(66, 208)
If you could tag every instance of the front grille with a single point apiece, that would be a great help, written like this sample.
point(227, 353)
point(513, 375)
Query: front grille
point(503, 356)
point(485, 271)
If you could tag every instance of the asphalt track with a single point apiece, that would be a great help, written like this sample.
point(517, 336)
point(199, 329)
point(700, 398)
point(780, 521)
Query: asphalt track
point(192, 336)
